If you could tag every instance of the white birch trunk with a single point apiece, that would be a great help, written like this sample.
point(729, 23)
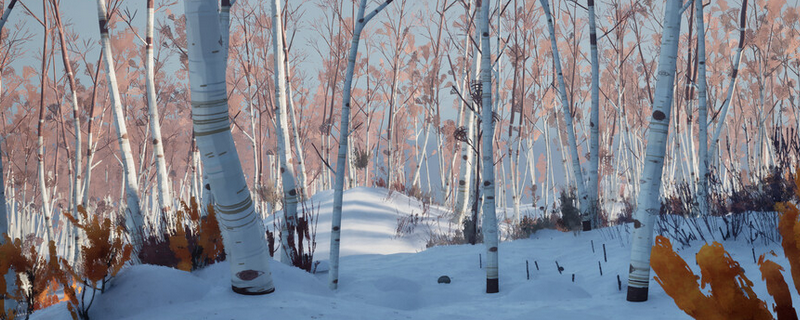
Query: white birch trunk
point(298, 144)
point(565, 104)
point(10, 276)
point(164, 190)
point(467, 152)
point(649, 203)
point(732, 87)
point(490, 236)
point(134, 221)
point(338, 191)
point(590, 219)
point(241, 229)
point(702, 92)
point(43, 189)
point(289, 221)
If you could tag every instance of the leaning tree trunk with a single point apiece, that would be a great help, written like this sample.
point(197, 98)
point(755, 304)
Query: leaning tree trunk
point(490, 237)
point(565, 104)
point(135, 221)
point(702, 95)
point(590, 218)
point(732, 87)
point(341, 158)
point(298, 144)
point(164, 192)
point(244, 233)
point(649, 203)
point(6, 13)
point(289, 222)
point(43, 189)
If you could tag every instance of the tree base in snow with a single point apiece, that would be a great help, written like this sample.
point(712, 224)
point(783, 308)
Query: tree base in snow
point(637, 294)
point(492, 286)
point(587, 226)
point(247, 292)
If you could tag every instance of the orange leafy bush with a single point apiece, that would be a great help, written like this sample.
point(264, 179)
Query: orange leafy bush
point(180, 246)
point(777, 288)
point(37, 270)
point(680, 283)
point(106, 252)
point(195, 242)
point(729, 285)
point(732, 296)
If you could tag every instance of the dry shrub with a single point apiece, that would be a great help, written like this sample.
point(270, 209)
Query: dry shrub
point(102, 257)
point(33, 269)
point(195, 243)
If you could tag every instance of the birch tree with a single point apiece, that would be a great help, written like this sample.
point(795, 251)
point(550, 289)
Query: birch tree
point(648, 203)
point(134, 220)
point(565, 105)
point(43, 185)
point(344, 129)
point(490, 236)
point(702, 110)
point(590, 216)
point(164, 190)
point(244, 233)
point(289, 221)
point(732, 86)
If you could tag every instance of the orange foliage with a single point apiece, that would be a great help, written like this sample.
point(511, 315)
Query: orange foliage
point(777, 288)
point(732, 296)
point(106, 252)
point(180, 245)
point(210, 238)
point(680, 283)
point(729, 286)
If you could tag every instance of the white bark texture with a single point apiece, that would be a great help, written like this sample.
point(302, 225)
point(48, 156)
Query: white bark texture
point(10, 276)
point(289, 221)
point(43, 189)
point(164, 189)
point(702, 107)
point(590, 219)
point(341, 158)
point(649, 203)
point(565, 105)
point(134, 221)
point(243, 233)
point(467, 152)
point(490, 236)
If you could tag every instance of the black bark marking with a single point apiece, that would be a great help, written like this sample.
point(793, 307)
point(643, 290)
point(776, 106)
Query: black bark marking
point(658, 115)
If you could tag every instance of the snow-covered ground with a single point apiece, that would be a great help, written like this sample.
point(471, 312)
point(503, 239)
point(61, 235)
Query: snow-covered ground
point(383, 276)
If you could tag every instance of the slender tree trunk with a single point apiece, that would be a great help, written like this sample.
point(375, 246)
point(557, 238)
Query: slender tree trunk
point(6, 13)
point(468, 146)
point(245, 244)
point(289, 222)
point(164, 189)
point(732, 87)
point(702, 92)
point(338, 191)
point(590, 218)
point(134, 221)
point(565, 104)
point(649, 203)
point(43, 189)
point(490, 236)
point(298, 144)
